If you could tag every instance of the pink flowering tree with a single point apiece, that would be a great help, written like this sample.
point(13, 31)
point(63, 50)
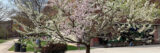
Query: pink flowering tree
point(78, 21)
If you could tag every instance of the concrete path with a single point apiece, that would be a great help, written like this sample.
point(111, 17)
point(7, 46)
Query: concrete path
point(141, 49)
point(6, 45)
point(138, 49)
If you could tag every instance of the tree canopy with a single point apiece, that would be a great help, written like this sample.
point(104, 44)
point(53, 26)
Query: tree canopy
point(78, 21)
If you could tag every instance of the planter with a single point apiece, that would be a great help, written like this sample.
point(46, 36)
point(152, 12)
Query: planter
point(17, 47)
point(23, 48)
point(54, 48)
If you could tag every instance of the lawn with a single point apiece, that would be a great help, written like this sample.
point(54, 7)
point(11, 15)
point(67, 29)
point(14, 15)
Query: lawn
point(69, 47)
point(31, 49)
point(2, 40)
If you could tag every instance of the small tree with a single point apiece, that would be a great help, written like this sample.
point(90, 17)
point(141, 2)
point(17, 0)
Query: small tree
point(86, 19)
point(29, 18)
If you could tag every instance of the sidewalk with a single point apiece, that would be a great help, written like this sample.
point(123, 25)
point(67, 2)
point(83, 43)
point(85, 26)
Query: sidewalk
point(6, 45)
point(137, 49)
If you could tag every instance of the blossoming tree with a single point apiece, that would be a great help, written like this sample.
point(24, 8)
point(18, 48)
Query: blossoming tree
point(78, 21)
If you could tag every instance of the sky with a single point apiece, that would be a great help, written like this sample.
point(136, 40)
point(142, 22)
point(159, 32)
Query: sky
point(7, 3)
point(9, 6)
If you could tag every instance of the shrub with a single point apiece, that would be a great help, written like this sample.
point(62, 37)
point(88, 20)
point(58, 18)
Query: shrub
point(54, 48)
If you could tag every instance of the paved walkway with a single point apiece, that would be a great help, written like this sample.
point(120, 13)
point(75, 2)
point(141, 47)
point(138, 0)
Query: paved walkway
point(6, 45)
point(139, 49)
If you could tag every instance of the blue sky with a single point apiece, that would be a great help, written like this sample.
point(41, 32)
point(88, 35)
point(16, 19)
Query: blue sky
point(7, 3)
point(9, 6)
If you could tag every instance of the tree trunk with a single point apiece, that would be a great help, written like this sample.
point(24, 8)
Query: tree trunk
point(35, 50)
point(6, 37)
point(87, 48)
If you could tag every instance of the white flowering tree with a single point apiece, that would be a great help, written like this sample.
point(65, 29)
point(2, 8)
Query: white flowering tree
point(86, 19)
point(30, 10)
point(78, 21)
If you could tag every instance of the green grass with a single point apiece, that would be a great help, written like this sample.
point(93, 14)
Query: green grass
point(28, 48)
point(69, 47)
point(2, 40)
point(31, 49)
